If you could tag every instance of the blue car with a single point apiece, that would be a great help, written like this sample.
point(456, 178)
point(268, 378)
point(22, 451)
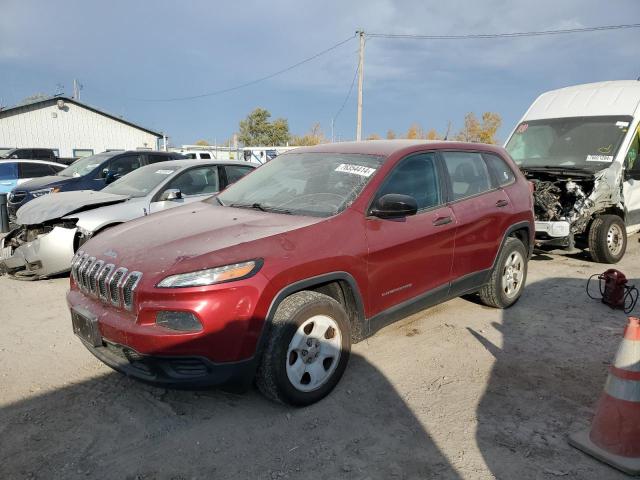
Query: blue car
point(89, 173)
point(17, 172)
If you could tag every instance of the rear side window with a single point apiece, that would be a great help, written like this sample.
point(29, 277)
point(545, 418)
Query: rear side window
point(501, 171)
point(157, 158)
point(205, 156)
point(33, 170)
point(8, 171)
point(416, 176)
point(235, 172)
point(468, 173)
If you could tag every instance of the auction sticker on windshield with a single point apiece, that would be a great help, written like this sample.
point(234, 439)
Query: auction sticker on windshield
point(164, 172)
point(355, 169)
point(600, 158)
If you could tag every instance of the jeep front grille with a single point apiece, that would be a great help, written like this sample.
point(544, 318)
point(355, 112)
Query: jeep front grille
point(112, 285)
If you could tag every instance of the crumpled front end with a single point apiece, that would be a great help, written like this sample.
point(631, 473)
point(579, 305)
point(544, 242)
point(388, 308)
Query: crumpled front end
point(565, 205)
point(34, 252)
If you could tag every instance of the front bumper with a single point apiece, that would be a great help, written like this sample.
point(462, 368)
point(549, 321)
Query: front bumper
point(555, 229)
point(173, 371)
point(49, 254)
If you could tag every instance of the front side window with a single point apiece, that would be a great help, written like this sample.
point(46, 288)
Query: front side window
point(416, 176)
point(120, 166)
point(8, 171)
point(141, 182)
point(589, 143)
point(197, 181)
point(467, 172)
point(314, 184)
point(632, 162)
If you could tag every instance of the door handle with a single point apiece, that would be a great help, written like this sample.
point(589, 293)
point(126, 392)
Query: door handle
point(442, 221)
point(502, 203)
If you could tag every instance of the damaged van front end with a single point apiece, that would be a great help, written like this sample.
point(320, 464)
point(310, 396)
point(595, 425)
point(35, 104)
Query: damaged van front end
point(35, 252)
point(567, 201)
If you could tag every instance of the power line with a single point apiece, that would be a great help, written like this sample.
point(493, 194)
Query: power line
point(346, 99)
point(252, 82)
point(501, 35)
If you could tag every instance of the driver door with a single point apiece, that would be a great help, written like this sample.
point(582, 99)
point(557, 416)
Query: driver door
point(193, 184)
point(631, 186)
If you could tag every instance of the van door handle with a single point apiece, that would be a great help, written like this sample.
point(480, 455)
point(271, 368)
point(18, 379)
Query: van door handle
point(502, 203)
point(442, 221)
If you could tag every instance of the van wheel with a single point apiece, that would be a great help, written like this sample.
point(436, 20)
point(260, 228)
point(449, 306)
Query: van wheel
point(607, 239)
point(508, 276)
point(307, 350)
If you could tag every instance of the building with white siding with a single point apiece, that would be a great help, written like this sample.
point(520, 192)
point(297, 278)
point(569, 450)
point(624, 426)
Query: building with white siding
point(72, 128)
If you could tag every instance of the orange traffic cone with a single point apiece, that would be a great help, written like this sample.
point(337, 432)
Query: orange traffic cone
point(615, 432)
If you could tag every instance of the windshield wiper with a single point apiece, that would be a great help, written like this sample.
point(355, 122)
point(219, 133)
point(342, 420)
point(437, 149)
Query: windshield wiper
point(262, 208)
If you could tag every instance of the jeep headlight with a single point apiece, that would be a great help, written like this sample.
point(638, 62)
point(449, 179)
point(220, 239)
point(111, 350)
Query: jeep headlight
point(44, 191)
point(211, 276)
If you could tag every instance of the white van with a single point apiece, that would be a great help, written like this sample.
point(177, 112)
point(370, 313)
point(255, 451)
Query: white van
point(579, 147)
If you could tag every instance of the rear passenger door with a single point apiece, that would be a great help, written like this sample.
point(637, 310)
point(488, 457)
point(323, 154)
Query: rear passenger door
point(8, 176)
point(482, 211)
point(411, 256)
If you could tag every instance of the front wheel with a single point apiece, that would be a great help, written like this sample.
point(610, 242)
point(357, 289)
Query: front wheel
point(508, 276)
point(607, 239)
point(307, 350)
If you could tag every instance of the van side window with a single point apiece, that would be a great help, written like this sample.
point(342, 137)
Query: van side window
point(631, 161)
point(468, 173)
point(501, 171)
point(416, 176)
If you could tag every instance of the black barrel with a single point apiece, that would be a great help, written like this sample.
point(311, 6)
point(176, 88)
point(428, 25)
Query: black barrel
point(4, 214)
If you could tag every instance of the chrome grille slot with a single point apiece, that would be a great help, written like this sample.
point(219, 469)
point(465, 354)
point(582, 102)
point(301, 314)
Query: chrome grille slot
point(85, 273)
point(115, 284)
point(75, 263)
point(93, 276)
point(128, 289)
point(103, 279)
point(81, 267)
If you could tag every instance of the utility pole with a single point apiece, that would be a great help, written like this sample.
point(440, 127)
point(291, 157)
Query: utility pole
point(333, 139)
point(360, 81)
point(76, 89)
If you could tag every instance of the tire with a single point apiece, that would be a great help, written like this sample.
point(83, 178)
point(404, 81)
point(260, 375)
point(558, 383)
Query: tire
point(505, 286)
point(607, 239)
point(283, 374)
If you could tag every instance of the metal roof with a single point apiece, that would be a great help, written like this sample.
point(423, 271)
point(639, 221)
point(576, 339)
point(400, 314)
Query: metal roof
point(619, 97)
point(53, 100)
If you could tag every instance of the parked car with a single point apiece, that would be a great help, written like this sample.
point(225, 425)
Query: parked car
point(579, 145)
point(36, 154)
point(318, 248)
point(16, 172)
point(53, 227)
point(89, 173)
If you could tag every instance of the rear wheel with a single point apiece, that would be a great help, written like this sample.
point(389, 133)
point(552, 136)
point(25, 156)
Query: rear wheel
point(307, 350)
point(607, 239)
point(508, 276)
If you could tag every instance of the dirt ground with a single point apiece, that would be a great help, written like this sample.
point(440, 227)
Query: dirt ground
point(456, 391)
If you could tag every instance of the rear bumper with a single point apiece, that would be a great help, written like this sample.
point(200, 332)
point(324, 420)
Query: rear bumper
point(173, 371)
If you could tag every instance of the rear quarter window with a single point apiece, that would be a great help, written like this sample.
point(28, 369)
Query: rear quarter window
point(500, 170)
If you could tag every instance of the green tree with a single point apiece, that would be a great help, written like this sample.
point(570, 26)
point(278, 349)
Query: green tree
point(257, 130)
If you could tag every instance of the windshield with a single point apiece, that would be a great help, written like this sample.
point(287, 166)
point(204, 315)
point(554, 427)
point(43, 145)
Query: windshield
point(81, 167)
point(589, 143)
point(141, 181)
point(315, 184)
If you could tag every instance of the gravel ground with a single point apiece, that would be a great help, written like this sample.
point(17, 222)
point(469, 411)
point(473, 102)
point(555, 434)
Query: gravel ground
point(456, 391)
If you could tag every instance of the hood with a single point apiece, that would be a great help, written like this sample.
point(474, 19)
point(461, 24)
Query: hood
point(58, 205)
point(45, 182)
point(192, 237)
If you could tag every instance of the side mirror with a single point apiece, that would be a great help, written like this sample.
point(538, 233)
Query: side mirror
point(394, 205)
point(171, 194)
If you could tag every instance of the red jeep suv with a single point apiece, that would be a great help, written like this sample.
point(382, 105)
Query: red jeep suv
point(274, 278)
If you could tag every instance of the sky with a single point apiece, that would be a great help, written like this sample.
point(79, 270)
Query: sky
point(127, 53)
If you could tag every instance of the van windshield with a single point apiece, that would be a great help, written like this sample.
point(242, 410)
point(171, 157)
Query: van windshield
point(589, 143)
